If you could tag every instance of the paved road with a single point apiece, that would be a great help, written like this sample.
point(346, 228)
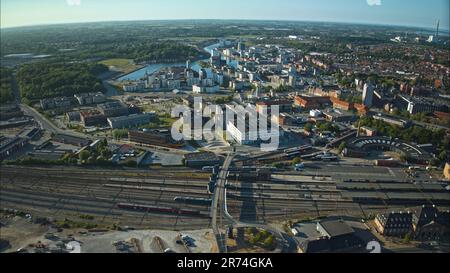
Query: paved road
point(284, 242)
point(219, 197)
point(48, 125)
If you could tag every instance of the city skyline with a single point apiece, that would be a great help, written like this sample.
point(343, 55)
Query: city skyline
point(413, 13)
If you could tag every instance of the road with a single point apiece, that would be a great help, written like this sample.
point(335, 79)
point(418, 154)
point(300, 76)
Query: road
point(219, 206)
point(48, 125)
point(219, 197)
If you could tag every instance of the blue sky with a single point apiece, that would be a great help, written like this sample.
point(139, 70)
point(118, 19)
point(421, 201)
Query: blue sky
point(422, 13)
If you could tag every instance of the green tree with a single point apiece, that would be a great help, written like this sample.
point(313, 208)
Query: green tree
point(342, 146)
point(120, 134)
point(308, 127)
point(296, 161)
point(269, 242)
point(407, 238)
point(278, 165)
point(84, 155)
point(442, 156)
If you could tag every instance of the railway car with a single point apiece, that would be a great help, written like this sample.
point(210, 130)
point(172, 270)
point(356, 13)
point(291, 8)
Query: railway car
point(157, 209)
point(189, 212)
point(193, 201)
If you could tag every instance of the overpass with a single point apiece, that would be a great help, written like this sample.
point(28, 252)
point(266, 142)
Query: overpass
point(219, 210)
point(219, 197)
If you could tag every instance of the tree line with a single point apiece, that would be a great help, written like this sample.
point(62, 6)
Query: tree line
point(6, 88)
point(53, 79)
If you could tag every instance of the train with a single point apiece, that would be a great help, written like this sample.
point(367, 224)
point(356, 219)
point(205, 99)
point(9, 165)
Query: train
point(212, 184)
point(193, 201)
point(157, 209)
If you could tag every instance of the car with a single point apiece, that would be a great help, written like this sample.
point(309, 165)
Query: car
point(168, 250)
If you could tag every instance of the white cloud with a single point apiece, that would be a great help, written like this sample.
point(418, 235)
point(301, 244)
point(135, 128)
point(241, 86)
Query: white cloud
point(73, 2)
point(374, 2)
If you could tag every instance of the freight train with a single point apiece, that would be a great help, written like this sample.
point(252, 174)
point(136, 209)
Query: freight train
point(157, 209)
point(193, 201)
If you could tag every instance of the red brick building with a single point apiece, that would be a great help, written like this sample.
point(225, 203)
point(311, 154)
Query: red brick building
point(312, 102)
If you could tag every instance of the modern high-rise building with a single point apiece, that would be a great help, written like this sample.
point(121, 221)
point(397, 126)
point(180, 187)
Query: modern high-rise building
point(368, 94)
point(437, 29)
point(241, 46)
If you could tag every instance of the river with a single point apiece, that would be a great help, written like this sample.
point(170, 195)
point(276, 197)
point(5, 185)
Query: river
point(151, 68)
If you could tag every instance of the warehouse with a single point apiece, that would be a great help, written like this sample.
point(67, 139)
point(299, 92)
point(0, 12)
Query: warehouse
point(130, 121)
point(155, 138)
point(113, 109)
point(199, 160)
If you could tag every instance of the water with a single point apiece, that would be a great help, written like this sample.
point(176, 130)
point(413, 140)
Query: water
point(149, 69)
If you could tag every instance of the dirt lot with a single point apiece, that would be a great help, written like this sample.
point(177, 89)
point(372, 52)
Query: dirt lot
point(22, 233)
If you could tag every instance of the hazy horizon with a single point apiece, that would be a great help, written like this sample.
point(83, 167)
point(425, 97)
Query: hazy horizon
point(431, 28)
point(407, 13)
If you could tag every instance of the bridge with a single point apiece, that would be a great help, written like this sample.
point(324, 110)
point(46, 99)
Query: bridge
point(219, 210)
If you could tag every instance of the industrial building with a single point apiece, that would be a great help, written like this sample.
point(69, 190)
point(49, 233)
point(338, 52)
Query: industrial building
point(130, 121)
point(154, 138)
point(284, 106)
point(429, 223)
point(393, 121)
point(447, 170)
point(52, 103)
point(424, 223)
point(71, 140)
point(334, 236)
point(199, 160)
point(90, 98)
point(73, 116)
point(92, 118)
point(312, 102)
point(394, 224)
point(113, 109)
point(334, 115)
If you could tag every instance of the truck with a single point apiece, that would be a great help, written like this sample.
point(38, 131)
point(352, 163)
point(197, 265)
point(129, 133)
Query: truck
point(299, 167)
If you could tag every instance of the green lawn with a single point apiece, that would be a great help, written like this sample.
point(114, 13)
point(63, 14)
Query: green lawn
point(124, 65)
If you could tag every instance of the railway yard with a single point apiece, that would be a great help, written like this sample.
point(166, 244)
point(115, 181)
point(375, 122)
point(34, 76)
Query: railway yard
point(179, 199)
point(63, 194)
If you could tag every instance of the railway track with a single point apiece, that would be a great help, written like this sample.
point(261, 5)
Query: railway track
point(97, 192)
point(53, 194)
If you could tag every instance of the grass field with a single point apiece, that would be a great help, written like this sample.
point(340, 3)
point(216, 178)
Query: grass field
point(123, 65)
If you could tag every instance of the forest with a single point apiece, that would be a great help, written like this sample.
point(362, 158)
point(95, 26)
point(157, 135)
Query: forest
point(50, 79)
point(6, 88)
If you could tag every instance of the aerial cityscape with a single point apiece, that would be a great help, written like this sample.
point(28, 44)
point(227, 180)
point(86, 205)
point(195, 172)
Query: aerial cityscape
point(202, 132)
